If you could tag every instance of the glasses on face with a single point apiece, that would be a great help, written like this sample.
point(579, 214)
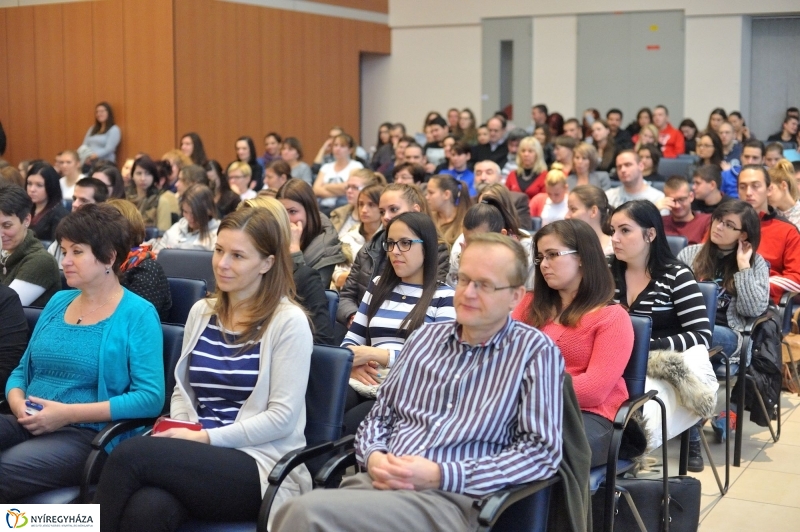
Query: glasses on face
point(404, 244)
point(709, 146)
point(551, 255)
point(354, 188)
point(459, 280)
point(728, 225)
point(683, 199)
point(235, 176)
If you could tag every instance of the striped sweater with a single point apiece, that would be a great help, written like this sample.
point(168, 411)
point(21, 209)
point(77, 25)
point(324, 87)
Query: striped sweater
point(383, 329)
point(675, 304)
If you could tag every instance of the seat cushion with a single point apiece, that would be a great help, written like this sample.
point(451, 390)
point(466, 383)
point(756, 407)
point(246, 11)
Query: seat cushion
point(597, 475)
point(59, 496)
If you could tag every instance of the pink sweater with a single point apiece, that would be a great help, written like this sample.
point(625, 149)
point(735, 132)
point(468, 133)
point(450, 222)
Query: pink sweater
point(595, 353)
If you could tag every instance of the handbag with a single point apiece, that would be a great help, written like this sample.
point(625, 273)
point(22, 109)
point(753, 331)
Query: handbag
point(648, 495)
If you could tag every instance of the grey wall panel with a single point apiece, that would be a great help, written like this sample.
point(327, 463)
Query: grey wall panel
point(520, 31)
point(631, 60)
point(775, 68)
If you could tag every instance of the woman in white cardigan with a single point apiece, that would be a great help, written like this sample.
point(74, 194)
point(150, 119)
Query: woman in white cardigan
point(242, 376)
point(197, 229)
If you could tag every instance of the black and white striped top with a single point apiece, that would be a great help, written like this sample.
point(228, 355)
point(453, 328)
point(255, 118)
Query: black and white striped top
point(222, 375)
point(489, 414)
point(676, 306)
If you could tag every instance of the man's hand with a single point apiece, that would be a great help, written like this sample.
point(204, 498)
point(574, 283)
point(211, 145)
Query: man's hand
point(390, 472)
point(665, 203)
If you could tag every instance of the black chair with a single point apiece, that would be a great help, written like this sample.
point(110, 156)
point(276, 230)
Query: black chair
point(173, 340)
point(188, 264)
point(679, 166)
point(328, 380)
point(185, 293)
point(677, 243)
point(536, 223)
point(151, 232)
point(32, 315)
point(64, 285)
point(333, 305)
point(635, 376)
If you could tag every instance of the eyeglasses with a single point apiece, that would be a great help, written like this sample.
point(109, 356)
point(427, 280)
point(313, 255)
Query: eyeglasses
point(684, 199)
point(460, 280)
point(710, 146)
point(354, 188)
point(403, 244)
point(728, 225)
point(234, 176)
point(551, 255)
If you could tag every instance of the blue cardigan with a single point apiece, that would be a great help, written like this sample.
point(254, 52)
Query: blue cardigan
point(131, 367)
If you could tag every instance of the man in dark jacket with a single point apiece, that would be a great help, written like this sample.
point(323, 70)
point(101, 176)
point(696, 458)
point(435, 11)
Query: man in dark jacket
point(496, 149)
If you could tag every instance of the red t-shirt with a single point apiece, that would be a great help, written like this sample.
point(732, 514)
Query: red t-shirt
point(695, 231)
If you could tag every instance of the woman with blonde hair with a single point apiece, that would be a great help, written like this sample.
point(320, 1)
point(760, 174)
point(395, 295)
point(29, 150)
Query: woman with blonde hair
point(177, 160)
point(783, 192)
point(242, 376)
point(448, 200)
point(551, 205)
point(647, 135)
point(584, 166)
point(531, 165)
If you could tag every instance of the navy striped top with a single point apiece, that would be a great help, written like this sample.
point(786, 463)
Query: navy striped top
point(383, 329)
point(222, 375)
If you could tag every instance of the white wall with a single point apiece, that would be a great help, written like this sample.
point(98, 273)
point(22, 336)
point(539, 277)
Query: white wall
point(555, 56)
point(436, 53)
point(429, 69)
point(713, 66)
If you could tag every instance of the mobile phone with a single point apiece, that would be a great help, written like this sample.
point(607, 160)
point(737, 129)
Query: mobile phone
point(32, 408)
point(166, 423)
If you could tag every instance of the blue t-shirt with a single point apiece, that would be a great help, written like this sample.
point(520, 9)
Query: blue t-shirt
point(467, 176)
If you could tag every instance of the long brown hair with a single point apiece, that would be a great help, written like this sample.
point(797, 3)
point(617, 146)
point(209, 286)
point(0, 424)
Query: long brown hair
point(269, 238)
point(200, 201)
point(459, 197)
point(597, 285)
point(705, 263)
point(300, 192)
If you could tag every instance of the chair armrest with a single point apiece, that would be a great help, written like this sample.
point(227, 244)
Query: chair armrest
point(281, 470)
point(714, 351)
point(752, 323)
point(627, 409)
point(117, 428)
point(493, 506)
point(338, 463)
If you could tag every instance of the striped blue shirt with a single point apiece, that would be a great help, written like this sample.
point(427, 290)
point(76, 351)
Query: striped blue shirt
point(383, 329)
point(490, 415)
point(222, 375)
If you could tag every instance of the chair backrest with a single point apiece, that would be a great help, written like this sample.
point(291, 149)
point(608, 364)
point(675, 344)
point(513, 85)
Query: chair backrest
point(188, 264)
point(709, 291)
point(64, 285)
point(677, 243)
point(185, 293)
point(151, 232)
point(671, 167)
point(635, 372)
point(173, 342)
point(32, 315)
point(536, 223)
point(333, 304)
point(325, 396)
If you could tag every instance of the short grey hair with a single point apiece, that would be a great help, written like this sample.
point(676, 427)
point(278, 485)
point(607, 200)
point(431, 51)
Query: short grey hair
point(519, 271)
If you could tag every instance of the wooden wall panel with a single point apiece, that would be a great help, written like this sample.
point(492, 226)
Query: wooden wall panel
point(4, 79)
point(21, 130)
point(50, 80)
point(168, 67)
point(79, 98)
point(149, 76)
point(108, 68)
point(379, 6)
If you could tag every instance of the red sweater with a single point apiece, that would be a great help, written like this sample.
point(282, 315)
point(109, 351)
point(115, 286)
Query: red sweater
point(595, 353)
point(695, 231)
point(780, 246)
point(534, 188)
point(672, 142)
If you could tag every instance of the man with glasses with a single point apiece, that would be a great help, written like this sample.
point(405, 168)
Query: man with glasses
point(681, 220)
point(473, 406)
point(496, 149)
point(780, 239)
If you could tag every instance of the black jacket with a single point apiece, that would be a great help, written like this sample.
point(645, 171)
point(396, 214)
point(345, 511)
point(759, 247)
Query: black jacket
point(483, 152)
point(367, 265)
point(311, 295)
point(45, 228)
